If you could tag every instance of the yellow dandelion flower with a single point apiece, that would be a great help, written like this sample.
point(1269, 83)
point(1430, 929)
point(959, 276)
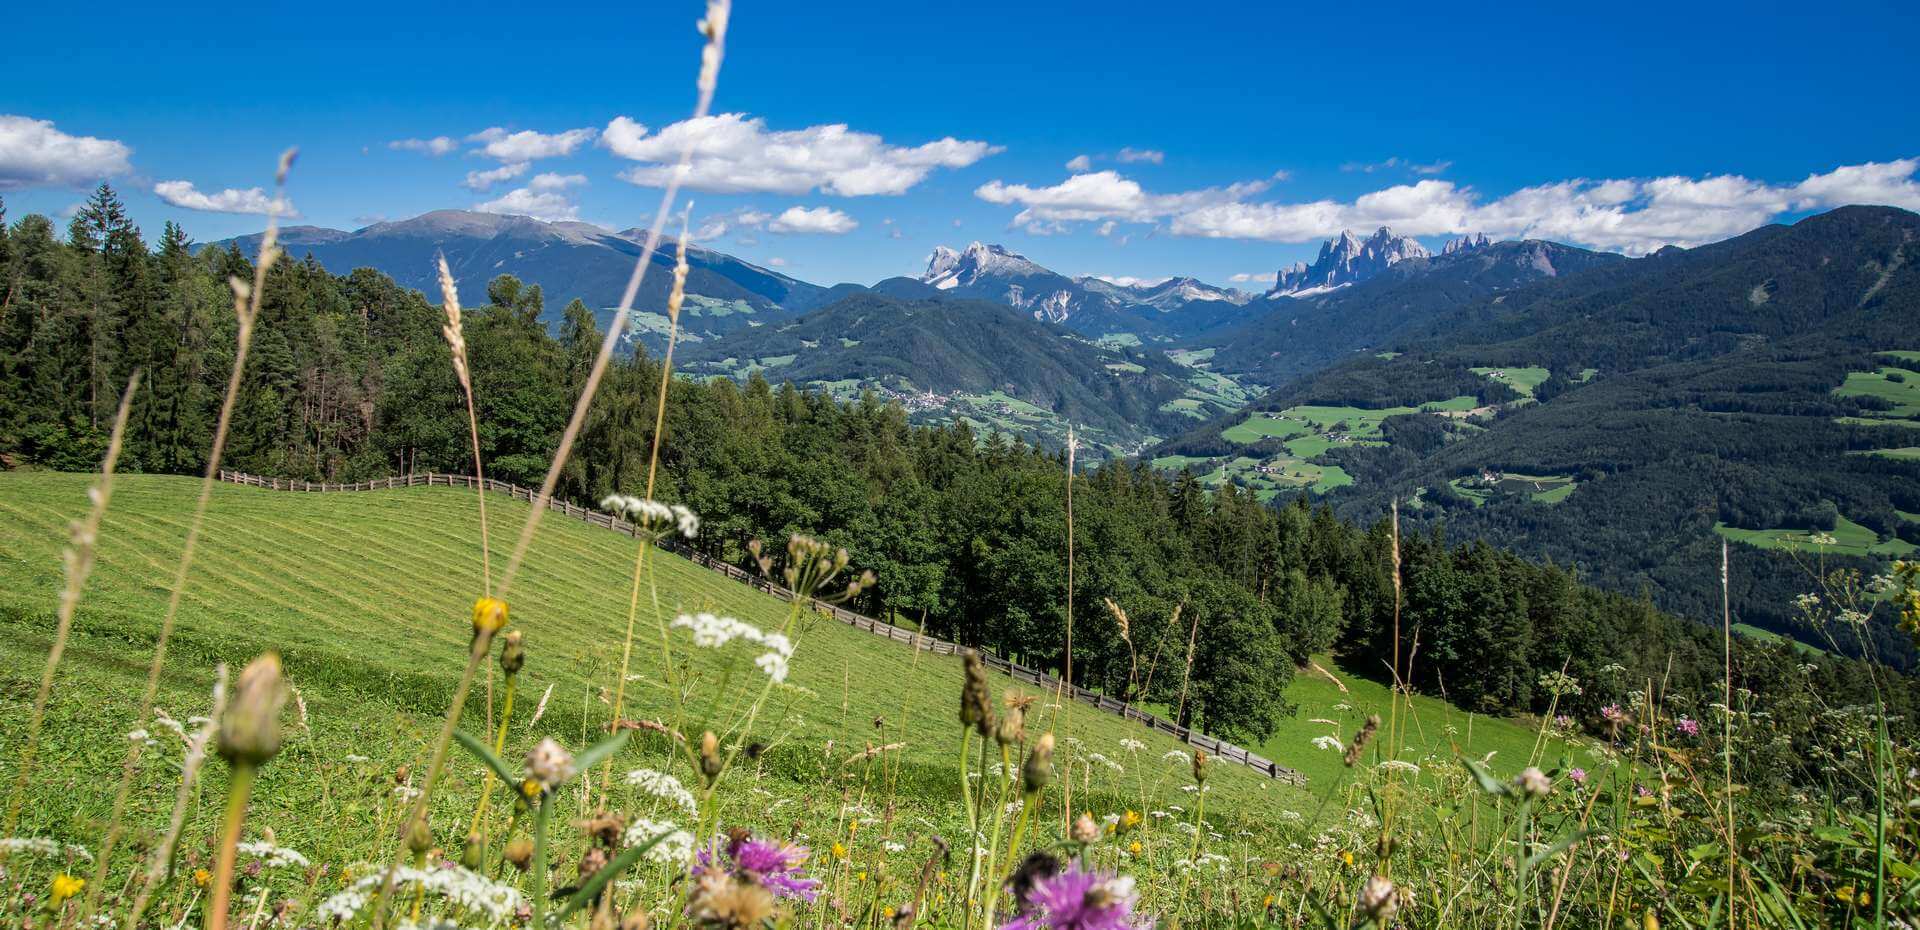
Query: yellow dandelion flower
point(861, 876)
point(65, 886)
point(489, 615)
point(1134, 847)
point(201, 877)
point(839, 851)
point(1346, 856)
point(887, 912)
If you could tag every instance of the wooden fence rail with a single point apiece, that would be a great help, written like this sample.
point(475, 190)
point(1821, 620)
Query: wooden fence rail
point(1218, 748)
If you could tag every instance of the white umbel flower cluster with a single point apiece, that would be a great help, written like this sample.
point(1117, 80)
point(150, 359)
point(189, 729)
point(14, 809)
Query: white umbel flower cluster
point(653, 515)
point(470, 891)
point(665, 787)
point(41, 846)
point(274, 857)
point(712, 632)
point(676, 849)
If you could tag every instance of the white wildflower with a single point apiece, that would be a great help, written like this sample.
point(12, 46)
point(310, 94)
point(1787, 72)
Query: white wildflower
point(653, 515)
point(465, 889)
point(675, 848)
point(41, 846)
point(1400, 765)
point(665, 787)
point(1131, 745)
point(274, 857)
point(1328, 742)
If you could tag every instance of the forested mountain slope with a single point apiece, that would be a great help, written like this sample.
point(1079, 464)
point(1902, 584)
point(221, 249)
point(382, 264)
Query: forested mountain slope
point(1623, 420)
point(926, 351)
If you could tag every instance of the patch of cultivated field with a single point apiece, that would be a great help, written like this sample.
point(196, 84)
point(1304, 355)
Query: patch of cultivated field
point(1524, 380)
point(1896, 385)
point(1846, 538)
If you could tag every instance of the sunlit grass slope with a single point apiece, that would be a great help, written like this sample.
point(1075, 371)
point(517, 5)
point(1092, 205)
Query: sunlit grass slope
point(366, 596)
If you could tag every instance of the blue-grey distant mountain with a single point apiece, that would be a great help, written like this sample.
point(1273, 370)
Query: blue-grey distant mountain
point(1085, 304)
point(568, 260)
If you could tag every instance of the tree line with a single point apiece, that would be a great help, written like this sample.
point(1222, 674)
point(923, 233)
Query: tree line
point(349, 378)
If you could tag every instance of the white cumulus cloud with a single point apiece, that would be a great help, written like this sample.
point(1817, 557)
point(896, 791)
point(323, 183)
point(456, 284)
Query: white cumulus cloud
point(1080, 163)
point(482, 181)
point(1254, 277)
point(735, 153)
point(825, 220)
point(231, 200)
point(1131, 155)
point(1632, 215)
point(1103, 195)
point(35, 154)
point(528, 145)
point(436, 146)
point(544, 198)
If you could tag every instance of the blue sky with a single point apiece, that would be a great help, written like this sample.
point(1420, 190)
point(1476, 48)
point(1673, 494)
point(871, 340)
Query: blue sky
point(1249, 132)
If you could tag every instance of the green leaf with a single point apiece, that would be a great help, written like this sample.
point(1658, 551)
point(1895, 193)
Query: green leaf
point(592, 886)
point(1781, 903)
point(473, 745)
point(1559, 846)
point(593, 755)
point(1488, 783)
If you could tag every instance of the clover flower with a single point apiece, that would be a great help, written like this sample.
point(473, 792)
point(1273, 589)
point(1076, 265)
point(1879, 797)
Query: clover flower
point(549, 764)
point(1687, 726)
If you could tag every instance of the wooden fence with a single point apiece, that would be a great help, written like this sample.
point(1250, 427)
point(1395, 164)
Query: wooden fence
point(1219, 749)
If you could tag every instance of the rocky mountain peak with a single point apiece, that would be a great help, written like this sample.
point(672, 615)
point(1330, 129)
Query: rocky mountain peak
point(1347, 259)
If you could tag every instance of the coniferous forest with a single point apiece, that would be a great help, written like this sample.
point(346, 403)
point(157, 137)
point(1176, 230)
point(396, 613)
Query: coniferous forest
point(350, 379)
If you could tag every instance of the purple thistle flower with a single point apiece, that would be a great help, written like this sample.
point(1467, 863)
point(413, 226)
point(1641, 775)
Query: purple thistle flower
point(1579, 776)
point(1687, 726)
point(1079, 900)
point(773, 864)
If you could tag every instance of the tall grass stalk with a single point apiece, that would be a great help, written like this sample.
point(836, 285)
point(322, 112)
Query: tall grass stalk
point(1726, 741)
point(714, 27)
point(77, 562)
point(1073, 446)
point(675, 298)
point(246, 309)
point(455, 333)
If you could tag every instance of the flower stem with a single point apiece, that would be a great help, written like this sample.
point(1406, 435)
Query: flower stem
point(239, 789)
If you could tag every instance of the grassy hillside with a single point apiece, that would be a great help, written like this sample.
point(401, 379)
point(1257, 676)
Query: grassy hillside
point(365, 596)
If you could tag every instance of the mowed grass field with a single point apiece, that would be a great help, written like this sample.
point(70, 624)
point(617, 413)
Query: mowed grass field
point(1848, 538)
point(366, 596)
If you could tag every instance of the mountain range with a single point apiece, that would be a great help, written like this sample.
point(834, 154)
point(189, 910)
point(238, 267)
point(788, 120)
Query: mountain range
point(568, 261)
point(1621, 415)
point(1625, 417)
